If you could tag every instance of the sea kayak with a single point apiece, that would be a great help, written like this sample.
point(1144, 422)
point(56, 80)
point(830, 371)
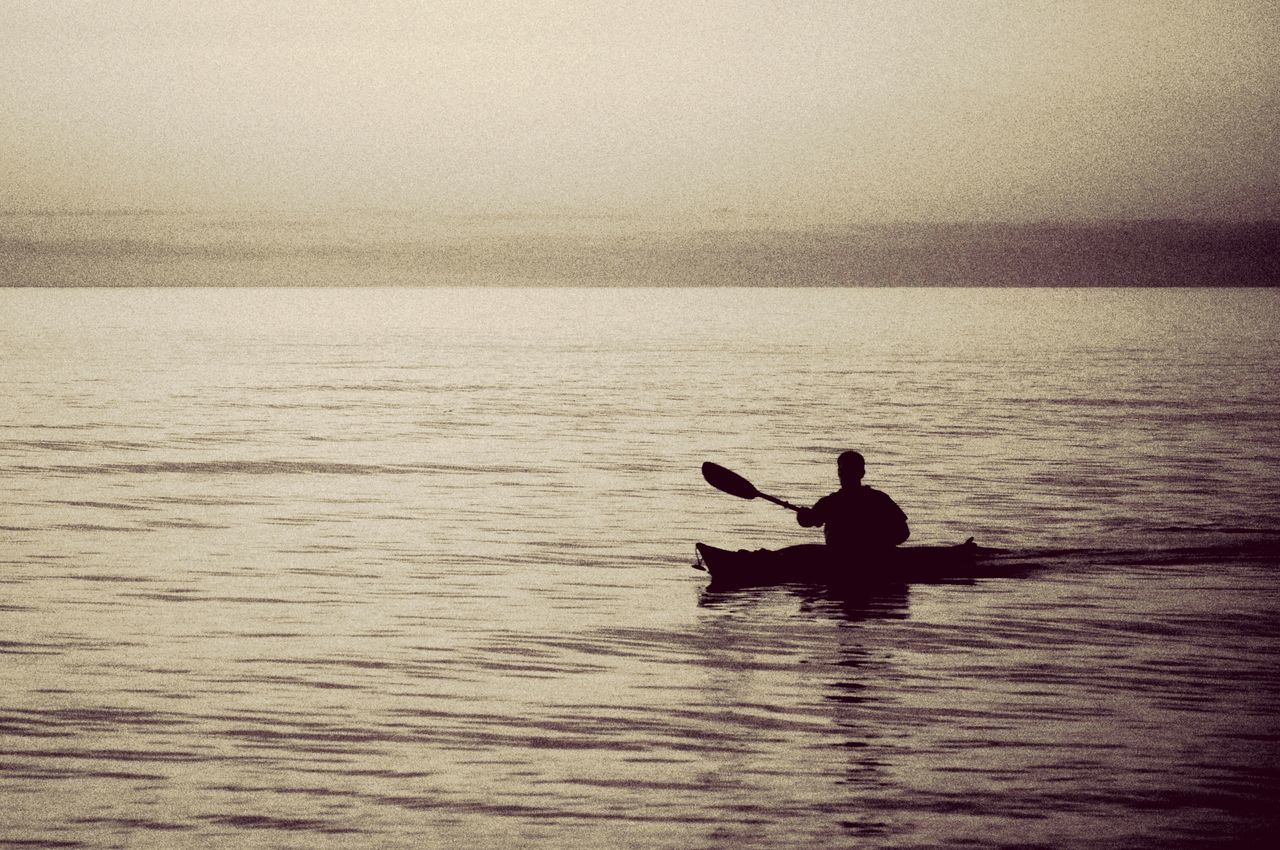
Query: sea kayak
point(815, 563)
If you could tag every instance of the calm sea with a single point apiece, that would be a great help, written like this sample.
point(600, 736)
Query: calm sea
point(411, 568)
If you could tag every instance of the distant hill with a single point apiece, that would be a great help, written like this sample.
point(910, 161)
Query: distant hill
point(138, 248)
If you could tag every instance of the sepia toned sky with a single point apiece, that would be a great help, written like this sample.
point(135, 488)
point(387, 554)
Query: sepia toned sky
point(864, 110)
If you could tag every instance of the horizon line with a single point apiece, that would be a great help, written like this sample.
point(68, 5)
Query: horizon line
point(722, 215)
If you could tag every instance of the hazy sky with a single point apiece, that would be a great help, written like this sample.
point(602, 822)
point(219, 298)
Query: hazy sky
point(863, 110)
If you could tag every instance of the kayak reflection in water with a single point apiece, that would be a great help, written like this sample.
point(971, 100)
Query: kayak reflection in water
point(856, 518)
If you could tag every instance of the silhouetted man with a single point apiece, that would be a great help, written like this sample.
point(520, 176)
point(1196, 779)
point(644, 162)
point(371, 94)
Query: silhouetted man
point(856, 519)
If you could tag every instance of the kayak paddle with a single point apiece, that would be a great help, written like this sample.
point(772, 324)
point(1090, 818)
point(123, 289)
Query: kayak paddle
point(734, 484)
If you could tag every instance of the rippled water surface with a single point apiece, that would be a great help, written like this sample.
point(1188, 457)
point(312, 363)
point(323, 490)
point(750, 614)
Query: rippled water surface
point(406, 568)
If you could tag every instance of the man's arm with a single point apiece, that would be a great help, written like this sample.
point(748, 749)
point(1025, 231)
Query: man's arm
point(808, 518)
point(895, 528)
point(812, 517)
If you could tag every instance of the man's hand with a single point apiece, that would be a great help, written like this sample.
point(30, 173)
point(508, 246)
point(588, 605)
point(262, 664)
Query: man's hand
point(807, 518)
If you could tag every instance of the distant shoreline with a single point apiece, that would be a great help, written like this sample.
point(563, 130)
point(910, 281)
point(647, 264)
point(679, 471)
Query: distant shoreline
point(378, 248)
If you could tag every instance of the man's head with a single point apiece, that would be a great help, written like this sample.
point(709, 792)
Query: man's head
point(851, 467)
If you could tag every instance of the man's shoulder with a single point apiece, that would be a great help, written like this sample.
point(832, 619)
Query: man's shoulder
point(882, 498)
point(861, 494)
point(847, 498)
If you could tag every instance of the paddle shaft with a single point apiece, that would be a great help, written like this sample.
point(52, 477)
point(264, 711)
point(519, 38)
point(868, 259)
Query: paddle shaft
point(778, 501)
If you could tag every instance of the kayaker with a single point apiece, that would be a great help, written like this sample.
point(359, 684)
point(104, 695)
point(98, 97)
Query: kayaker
point(856, 518)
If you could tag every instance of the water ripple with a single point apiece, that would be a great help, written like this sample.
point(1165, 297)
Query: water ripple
point(299, 569)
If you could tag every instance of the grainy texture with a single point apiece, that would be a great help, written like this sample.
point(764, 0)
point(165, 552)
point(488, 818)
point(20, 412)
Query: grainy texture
point(338, 568)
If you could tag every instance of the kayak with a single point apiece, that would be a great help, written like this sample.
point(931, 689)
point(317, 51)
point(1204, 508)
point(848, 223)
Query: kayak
point(814, 563)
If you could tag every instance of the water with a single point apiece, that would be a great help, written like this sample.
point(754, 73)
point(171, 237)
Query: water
point(406, 568)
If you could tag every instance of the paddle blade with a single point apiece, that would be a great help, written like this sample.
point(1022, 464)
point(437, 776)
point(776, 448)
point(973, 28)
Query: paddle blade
point(728, 481)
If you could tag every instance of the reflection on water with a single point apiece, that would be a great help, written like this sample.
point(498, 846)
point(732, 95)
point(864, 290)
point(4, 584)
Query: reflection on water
point(411, 568)
point(1052, 714)
point(882, 602)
